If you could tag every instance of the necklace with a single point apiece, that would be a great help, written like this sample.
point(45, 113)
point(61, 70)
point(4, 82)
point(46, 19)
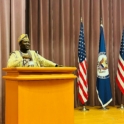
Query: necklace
point(27, 62)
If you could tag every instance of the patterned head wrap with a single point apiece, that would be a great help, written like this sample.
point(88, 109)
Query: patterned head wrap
point(23, 37)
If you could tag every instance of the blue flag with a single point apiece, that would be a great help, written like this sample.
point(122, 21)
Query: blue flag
point(103, 86)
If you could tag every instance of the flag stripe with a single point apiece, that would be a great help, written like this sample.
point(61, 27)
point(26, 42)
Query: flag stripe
point(80, 98)
point(83, 94)
point(120, 68)
point(119, 85)
point(83, 87)
point(82, 82)
point(120, 78)
point(120, 63)
point(83, 72)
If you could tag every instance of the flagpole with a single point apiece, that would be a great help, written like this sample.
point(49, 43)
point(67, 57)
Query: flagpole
point(122, 105)
point(84, 105)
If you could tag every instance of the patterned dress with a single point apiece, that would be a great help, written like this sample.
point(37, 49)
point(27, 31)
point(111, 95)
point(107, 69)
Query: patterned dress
point(16, 60)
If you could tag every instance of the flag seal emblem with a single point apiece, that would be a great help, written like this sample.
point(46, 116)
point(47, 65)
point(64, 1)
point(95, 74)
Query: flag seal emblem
point(102, 66)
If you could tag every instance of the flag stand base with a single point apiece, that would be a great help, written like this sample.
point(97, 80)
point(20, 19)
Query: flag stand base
point(84, 109)
point(121, 107)
point(104, 108)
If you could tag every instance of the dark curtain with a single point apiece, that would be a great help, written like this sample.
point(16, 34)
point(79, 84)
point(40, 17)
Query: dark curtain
point(53, 28)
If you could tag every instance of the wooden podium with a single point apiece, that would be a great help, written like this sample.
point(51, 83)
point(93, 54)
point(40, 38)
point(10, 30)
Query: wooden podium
point(39, 95)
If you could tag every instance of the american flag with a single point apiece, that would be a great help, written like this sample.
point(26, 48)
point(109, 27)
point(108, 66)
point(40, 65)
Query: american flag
point(82, 69)
point(120, 70)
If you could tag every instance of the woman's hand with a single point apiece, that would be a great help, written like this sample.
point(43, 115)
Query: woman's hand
point(59, 65)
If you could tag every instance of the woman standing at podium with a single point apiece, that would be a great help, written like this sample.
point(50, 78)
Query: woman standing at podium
point(26, 57)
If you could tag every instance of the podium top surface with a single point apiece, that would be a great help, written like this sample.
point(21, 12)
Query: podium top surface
point(40, 69)
point(39, 73)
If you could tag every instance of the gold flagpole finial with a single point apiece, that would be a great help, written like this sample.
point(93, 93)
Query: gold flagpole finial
point(81, 19)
